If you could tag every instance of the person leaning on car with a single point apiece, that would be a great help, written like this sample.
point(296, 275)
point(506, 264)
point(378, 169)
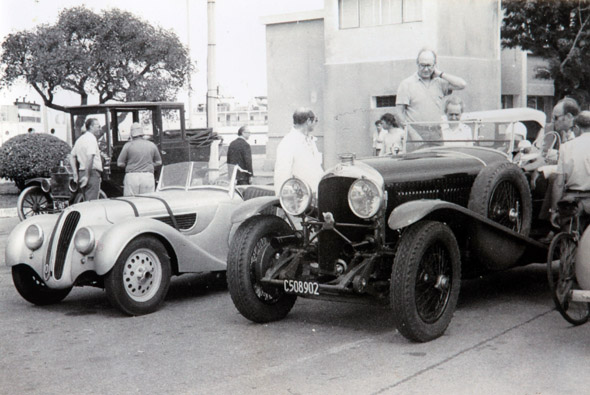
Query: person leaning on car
point(139, 157)
point(86, 154)
point(419, 97)
point(297, 153)
point(573, 166)
point(239, 153)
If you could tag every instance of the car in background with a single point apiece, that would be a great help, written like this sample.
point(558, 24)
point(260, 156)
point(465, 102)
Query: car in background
point(400, 230)
point(164, 123)
point(131, 246)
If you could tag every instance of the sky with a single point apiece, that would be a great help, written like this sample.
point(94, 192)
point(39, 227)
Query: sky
point(240, 35)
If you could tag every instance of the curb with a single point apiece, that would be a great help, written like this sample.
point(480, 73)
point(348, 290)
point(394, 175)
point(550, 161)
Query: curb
point(8, 212)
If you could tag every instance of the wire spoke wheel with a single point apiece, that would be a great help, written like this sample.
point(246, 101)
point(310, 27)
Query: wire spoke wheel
point(561, 274)
point(261, 259)
point(433, 284)
point(505, 206)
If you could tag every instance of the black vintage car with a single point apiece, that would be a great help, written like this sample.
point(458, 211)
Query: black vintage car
point(397, 230)
point(164, 123)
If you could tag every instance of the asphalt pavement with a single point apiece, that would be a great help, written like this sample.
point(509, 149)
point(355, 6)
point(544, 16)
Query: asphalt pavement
point(505, 338)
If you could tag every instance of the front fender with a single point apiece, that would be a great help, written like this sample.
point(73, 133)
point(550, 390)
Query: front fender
point(112, 242)
point(252, 207)
point(35, 181)
point(411, 212)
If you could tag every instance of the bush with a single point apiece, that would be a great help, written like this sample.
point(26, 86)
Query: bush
point(31, 155)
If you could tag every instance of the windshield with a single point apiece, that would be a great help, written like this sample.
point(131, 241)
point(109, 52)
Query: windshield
point(502, 136)
point(188, 175)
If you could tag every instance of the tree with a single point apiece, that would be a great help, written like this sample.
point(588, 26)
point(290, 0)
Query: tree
point(558, 30)
point(112, 54)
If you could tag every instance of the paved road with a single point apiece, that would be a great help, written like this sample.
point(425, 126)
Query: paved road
point(505, 338)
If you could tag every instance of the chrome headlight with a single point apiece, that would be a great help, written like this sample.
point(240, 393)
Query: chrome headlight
point(84, 240)
point(364, 198)
point(34, 237)
point(45, 185)
point(295, 196)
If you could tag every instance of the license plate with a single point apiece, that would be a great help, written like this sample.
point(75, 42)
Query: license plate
point(301, 287)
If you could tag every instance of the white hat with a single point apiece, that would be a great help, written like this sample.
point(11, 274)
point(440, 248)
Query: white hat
point(136, 130)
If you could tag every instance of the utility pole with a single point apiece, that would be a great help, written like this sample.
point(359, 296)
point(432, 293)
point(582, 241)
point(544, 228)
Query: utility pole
point(211, 79)
point(189, 78)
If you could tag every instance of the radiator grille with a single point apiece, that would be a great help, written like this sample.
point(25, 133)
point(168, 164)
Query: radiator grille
point(67, 232)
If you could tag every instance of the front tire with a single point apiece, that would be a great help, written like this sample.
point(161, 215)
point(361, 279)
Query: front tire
point(139, 281)
point(33, 201)
point(250, 255)
point(501, 193)
point(562, 281)
point(425, 282)
point(33, 289)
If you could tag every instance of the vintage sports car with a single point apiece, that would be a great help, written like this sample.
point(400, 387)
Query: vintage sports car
point(131, 246)
point(399, 231)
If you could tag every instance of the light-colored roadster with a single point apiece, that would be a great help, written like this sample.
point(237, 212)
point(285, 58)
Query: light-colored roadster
point(131, 246)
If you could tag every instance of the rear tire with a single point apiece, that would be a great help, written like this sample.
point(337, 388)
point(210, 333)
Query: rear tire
point(426, 279)
point(250, 255)
point(33, 289)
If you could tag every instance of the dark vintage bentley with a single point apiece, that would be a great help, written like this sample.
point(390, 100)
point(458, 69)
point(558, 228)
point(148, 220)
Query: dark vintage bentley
point(397, 230)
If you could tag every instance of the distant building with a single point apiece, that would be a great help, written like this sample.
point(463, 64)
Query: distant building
point(347, 60)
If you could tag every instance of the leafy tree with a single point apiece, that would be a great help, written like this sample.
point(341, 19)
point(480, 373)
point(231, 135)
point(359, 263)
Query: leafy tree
point(112, 54)
point(558, 30)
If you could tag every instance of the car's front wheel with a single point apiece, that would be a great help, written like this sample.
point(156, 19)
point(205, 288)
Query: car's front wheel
point(250, 255)
point(139, 281)
point(425, 281)
point(33, 201)
point(33, 289)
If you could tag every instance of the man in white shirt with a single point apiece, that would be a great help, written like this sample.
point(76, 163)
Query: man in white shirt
point(87, 155)
point(456, 133)
point(297, 153)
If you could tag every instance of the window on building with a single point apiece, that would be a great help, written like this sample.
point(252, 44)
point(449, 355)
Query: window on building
point(384, 101)
point(507, 101)
point(363, 13)
point(536, 102)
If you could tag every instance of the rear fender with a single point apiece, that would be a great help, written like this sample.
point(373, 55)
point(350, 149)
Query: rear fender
point(493, 246)
point(583, 260)
point(253, 207)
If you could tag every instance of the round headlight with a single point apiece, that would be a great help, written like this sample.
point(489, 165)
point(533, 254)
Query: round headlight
point(364, 198)
point(45, 185)
point(295, 196)
point(34, 237)
point(84, 240)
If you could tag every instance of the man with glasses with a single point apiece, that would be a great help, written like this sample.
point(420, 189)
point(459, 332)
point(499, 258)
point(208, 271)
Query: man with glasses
point(420, 96)
point(297, 153)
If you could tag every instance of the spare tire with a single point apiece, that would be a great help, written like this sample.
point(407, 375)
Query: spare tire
point(501, 193)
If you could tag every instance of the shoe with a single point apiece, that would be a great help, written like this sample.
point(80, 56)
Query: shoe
point(547, 238)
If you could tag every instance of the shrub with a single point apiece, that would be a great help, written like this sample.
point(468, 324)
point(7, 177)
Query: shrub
point(31, 155)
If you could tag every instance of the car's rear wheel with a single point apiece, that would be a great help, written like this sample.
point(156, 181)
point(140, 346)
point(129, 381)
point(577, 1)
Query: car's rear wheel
point(33, 201)
point(562, 280)
point(425, 283)
point(33, 289)
point(501, 193)
point(250, 255)
point(139, 281)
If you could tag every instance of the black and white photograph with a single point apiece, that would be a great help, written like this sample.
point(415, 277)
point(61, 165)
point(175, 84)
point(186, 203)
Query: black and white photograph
point(294, 196)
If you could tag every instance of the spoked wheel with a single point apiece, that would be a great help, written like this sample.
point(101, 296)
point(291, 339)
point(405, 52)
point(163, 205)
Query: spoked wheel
point(500, 192)
point(562, 280)
point(425, 281)
point(33, 289)
point(139, 281)
point(33, 201)
point(250, 256)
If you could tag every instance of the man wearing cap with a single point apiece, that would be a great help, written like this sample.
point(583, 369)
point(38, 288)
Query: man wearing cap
point(139, 157)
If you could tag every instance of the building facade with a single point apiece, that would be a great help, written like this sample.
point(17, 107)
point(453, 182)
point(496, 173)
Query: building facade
point(347, 60)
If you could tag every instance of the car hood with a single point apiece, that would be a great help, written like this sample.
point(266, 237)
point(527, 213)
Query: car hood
point(433, 163)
